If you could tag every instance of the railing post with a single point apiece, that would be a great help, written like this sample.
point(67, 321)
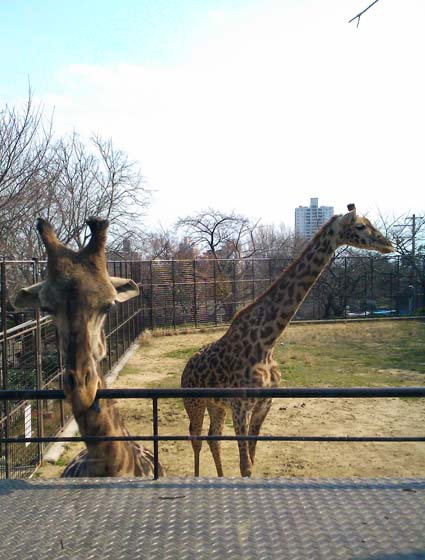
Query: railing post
point(155, 441)
point(38, 367)
point(6, 407)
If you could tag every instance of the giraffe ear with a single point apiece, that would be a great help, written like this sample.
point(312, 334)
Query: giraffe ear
point(29, 297)
point(126, 288)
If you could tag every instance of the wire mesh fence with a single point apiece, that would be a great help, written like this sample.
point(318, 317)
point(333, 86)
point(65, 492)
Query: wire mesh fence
point(173, 294)
point(209, 292)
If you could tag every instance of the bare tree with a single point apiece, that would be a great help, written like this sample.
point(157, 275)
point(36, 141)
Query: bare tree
point(158, 244)
point(274, 241)
point(406, 232)
point(92, 180)
point(24, 158)
point(221, 234)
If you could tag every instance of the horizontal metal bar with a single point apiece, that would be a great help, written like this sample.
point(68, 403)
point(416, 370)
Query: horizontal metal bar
point(121, 325)
point(25, 328)
point(24, 261)
point(281, 393)
point(90, 439)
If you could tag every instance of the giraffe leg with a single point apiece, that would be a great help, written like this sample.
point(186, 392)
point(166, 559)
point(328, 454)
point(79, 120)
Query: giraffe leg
point(195, 409)
point(217, 417)
point(240, 412)
point(259, 413)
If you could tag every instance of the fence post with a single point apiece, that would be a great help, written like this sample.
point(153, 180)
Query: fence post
point(345, 288)
point(122, 312)
point(173, 280)
point(234, 288)
point(422, 284)
point(195, 303)
point(372, 291)
point(253, 280)
point(116, 322)
point(152, 316)
point(215, 291)
point(398, 303)
point(38, 367)
point(131, 305)
point(60, 360)
point(109, 342)
point(6, 408)
point(141, 321)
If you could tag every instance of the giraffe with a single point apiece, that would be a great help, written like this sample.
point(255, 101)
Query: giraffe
point(78, 292)
point(243, 356)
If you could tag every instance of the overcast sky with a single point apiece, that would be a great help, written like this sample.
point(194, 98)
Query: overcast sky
point(247, 105)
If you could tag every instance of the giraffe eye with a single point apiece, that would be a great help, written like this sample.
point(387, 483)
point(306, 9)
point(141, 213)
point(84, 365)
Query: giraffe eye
point(360, 226)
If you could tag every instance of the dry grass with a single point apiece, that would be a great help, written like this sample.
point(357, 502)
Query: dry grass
point(352, 354)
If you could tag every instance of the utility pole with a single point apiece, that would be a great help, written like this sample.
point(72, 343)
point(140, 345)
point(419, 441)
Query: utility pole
point(412, 224)
point(413, 235)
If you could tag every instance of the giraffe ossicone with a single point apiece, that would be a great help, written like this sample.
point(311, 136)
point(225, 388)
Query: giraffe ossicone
point(243, 356)
point(78, 292)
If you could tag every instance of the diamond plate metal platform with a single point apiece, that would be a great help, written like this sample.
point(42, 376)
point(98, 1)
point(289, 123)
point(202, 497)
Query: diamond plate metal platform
point(232, 519)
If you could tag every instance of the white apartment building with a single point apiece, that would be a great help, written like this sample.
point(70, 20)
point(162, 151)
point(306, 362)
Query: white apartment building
point(309, 219)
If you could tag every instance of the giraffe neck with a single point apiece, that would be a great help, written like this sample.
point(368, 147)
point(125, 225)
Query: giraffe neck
point(112, 458)
point(269, 314)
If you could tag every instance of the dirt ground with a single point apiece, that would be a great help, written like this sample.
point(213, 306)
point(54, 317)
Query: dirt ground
point(152, 365)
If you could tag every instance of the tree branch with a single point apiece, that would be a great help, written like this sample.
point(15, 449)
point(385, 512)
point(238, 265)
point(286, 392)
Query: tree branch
point(359, 15)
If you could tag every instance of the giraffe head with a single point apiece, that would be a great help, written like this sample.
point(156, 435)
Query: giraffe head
point(357, 231)
point(78, 292)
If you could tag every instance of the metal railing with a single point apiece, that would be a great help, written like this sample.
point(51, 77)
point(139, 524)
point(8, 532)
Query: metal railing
point(240, 393)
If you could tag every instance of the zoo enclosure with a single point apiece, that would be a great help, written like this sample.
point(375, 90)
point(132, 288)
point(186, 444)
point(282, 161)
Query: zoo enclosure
point(172, 294)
